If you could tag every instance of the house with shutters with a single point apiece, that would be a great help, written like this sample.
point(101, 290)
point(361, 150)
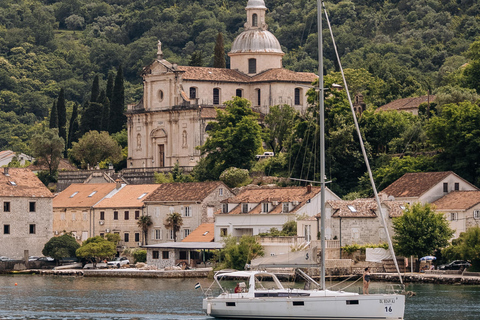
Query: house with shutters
point(119, 211)
point(195, 201)
point(258, 209)
point(26, 215)
point(461, 209)
point(425, 187)
point(74, 208)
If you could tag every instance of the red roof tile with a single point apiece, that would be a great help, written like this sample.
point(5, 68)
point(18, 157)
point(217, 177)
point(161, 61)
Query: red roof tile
point(190, 191)
point(213, 74)
point(128, 196)
point(21, 182)
point(415, 184)
point(204, 233)
point(406, 103)
point(82, 195)
point(363, 208)
point(458, 200)
point(284, 75)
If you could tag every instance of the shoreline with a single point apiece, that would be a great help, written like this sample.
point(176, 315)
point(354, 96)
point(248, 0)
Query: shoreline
point(467, 278)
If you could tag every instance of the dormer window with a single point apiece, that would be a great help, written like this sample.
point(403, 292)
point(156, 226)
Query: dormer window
point(286, 207)
point(254, 20)
point(265, 207)
point(245, 208)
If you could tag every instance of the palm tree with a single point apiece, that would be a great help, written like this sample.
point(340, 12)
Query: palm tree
point(144, 222)
point(174, 222)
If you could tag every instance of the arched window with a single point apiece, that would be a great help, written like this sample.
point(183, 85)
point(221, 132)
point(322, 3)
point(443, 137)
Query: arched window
point(216, 96)
point(258, 96)
point(252, 65)
point(298, 96)
point(254, 20)
point(193, 92)
point(239, 92)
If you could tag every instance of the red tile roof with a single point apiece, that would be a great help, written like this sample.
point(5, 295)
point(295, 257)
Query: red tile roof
point(363, 208)
point(458, 200)
point(270, 194)
point(212, 74)
point(415, 184)
point(21, 182)
point(204, 233)
point(229, 75)
point(284, 75)
point(128, 196)
point(406, 103)
point(82, 195)
point(190, 191)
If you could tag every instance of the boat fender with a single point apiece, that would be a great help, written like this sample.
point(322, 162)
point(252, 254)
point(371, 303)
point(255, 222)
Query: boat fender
point(209, 308)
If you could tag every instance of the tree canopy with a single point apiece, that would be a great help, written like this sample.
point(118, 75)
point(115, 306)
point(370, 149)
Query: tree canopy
point(64, 246)
point(95, 147)
point(233, 141)
point(420, 231)
point(96, 249)
point(236, 255)
point(465, 247)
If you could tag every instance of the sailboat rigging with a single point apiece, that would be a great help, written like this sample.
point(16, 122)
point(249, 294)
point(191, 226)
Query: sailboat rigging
point(262, 296)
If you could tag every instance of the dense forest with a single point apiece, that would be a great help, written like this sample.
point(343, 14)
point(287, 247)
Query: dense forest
point(393, 49)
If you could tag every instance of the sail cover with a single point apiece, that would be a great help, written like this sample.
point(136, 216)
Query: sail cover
point(298, 259)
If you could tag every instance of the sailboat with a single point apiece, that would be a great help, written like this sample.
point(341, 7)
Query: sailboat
point(260, 294)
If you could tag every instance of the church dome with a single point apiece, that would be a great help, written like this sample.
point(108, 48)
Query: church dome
point(256, 4)
point(256, 41)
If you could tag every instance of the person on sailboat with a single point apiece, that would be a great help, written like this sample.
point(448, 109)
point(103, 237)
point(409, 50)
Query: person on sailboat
point(366, 280)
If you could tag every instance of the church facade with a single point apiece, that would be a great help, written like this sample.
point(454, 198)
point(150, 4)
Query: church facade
point(172, 118)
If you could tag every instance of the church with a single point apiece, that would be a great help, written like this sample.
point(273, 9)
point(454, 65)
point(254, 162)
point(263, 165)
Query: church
point(178, 102)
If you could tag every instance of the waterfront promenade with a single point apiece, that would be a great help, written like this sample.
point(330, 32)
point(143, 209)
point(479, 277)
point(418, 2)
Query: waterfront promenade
point(436, 277)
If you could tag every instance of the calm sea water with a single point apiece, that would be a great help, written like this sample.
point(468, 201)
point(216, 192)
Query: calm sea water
point(77, 298)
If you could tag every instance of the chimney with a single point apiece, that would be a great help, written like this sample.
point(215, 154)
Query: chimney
point(5, 171)
point(309, 188)
point(118, 184)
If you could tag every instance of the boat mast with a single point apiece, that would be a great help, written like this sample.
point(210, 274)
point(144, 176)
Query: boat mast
point(322, 140)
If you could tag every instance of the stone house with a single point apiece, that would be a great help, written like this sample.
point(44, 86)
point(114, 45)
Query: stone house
point(6, 156)
point(407, 104)
point(195, 201)
point(119, 211)
point(425, 187)
point(461, 208)
point(172, 118)
point(73, 208)
point(258, 209)
point(26, 215)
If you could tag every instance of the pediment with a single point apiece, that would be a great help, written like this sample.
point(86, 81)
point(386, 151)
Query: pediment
point(158, 133)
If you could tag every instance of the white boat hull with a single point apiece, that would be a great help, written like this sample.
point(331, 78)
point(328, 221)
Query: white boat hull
point(343, 307)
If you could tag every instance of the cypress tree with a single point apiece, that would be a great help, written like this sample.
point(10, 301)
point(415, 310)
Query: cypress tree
point(62, 116)
point(219, 59)
point(117, 104)
point(103, 100)
point(95, 90)
point(109, 90)
point(196, 59)
point(74, 127)
point(53, 116)
point(92, 117)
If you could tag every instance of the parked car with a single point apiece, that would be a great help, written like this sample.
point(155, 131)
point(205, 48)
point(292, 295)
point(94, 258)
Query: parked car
point(118, 262)
point(455, 265)
point(46, 259)
point(3, 258)
point(32, 258)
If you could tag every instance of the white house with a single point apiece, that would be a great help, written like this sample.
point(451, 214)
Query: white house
point(258, 209)
point(425, 187)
